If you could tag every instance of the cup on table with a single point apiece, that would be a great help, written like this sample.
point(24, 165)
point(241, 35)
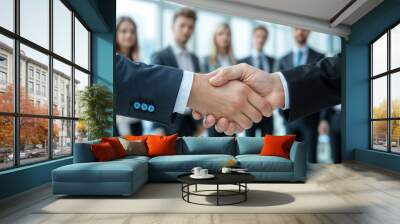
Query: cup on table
point(203, 172)
point(196, 171)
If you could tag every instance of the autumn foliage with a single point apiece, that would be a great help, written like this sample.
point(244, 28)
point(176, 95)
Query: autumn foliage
point(33, 131)
point(380, 127)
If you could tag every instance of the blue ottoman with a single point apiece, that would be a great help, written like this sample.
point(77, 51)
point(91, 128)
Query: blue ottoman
point(118, 177)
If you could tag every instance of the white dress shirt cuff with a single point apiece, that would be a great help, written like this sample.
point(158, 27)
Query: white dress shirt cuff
point(285, 89)
point(184, 92)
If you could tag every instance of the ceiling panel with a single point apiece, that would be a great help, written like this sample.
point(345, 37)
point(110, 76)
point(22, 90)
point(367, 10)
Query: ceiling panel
point(320, 9)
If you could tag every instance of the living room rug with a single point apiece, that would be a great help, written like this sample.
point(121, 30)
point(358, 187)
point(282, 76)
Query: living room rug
point(166, 198)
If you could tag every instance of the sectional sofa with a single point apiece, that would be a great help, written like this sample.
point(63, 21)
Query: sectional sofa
point(125, 176)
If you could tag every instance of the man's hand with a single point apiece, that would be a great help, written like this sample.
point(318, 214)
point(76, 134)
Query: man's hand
point(234, 101)
point(266, 85)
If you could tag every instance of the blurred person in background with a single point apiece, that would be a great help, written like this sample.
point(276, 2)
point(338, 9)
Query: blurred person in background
point(221, 55)
point(263, 62)
point(305, 128)
point(128, 45)
point(331, 117)
point(177, 55)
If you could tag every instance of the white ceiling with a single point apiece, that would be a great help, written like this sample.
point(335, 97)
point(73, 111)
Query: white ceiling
point(320, 9)
point(318, 15)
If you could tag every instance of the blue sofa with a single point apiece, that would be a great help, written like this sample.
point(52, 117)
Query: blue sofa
point(125, 176)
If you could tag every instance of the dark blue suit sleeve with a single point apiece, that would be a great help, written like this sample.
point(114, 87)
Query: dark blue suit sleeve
point(147, 92)
point(313, 87)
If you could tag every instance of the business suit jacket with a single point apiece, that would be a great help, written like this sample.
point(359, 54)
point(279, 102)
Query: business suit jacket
point(313, 87)
point(166, 57)
point(286, 63)
point(135, 98)
point(183, 125)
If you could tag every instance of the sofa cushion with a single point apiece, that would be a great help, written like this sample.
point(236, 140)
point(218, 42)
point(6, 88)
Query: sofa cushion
point(103, 152)
point(185, 163)
point(116, 145)
point(277, 145)
point(249, 145)
point(134, 147)
point(161, 145)
point(206, 145)
point(112, 171)
point(257, 163)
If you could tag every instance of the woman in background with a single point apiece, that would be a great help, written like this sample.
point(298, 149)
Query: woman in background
point(128, 45)
point(221, 55)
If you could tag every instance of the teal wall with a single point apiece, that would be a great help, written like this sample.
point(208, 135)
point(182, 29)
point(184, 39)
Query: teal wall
point(24, 178)
point(356, 91)
point(99, 16)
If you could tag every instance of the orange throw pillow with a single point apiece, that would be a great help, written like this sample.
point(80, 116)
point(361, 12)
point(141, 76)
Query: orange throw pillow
point(116, 145)
point(277, 145)
point(161, 145)
point(103, 152)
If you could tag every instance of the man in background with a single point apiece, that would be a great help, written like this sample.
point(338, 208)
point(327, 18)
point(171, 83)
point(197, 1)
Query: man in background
point(263, 62)
point(177, 55)
point(305, 128)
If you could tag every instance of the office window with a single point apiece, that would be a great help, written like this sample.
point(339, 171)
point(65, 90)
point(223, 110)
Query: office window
point(33, 140)
point(385, 91)
point(34, 24)
point(241, 36)
point(6, 142)
point(62, 29)
point(7, 88)
point(395, 47)
point(61, 71)
point(81, 81)
point(7, 14)
point(81, 45)
point(62, 137)
point(40, 64)
point(43, 125)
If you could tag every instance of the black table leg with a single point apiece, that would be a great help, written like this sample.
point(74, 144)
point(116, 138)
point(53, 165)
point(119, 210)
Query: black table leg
point(245, 194)
point(195, 188)
point(217, 194)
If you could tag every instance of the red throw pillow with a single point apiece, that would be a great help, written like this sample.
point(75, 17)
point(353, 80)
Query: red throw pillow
point(161, 145)
point(103, 152)
point(116, 145)
point(277, 145)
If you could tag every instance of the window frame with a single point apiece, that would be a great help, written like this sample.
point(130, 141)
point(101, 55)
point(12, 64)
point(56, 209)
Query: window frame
point(388, 74)
point(16, 114)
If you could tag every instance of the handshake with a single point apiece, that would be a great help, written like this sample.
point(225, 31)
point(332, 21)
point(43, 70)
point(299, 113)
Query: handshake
point(233, 98)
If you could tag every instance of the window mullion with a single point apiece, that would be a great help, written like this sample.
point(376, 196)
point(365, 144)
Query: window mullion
point(16, 84)
point(73, 82)
point(50, 81)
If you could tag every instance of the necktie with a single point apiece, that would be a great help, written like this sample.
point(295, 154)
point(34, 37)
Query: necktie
point(260, 62)
point(299, 58)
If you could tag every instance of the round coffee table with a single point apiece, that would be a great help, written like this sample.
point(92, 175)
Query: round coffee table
point(238, 179)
